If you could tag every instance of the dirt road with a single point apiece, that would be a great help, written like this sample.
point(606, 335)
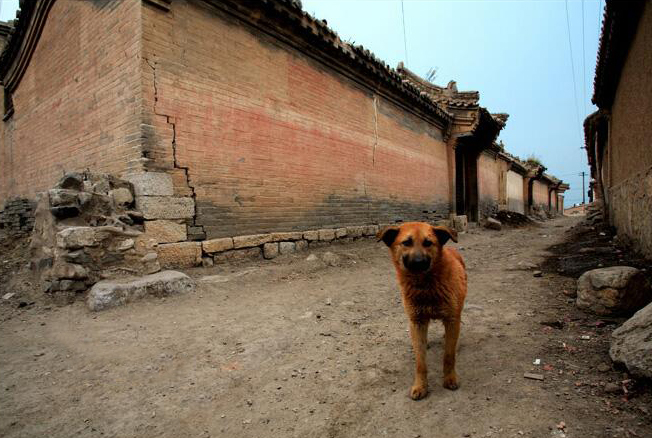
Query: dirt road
point(299, 348)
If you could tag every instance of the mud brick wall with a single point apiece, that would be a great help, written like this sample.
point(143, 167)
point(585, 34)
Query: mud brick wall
point(540, 195)
point(489, 168)
point(629, 166)
point(17, 217)
point(265, 138)
point(76, 106)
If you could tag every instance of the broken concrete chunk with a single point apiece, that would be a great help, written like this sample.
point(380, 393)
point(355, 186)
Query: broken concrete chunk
point(251, 240)
point(152, 184)
point(112, 293)
point(631, 343)
point(618, 290)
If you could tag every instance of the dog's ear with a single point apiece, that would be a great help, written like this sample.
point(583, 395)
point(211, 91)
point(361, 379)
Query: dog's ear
point(444, 233)
point(387, 235)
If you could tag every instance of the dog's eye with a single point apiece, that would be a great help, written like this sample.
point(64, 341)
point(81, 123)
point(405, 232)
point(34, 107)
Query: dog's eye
point(407, 242)
point(427, 243)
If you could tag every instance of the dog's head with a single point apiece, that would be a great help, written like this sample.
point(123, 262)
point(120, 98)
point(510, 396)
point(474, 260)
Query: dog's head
point(416, 246)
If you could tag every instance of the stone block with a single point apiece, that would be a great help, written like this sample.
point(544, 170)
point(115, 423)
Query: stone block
point(270, 250)
point(617, 290)
point(111, 293)
point(493, 224)
point(370, 230)
point(292, 235)
point(152, 184)
point(460, 223)
point(183, 254)
point(79, 237)
point(326, 235)
point(238, 255)
point(217, 245)
point(301, 245)
point(287, 247)
point(163, 207)
point(341, 233)
point(164, 231)
point(355, 231)
point(250, 240)
point(311, 235)
point(63, 197)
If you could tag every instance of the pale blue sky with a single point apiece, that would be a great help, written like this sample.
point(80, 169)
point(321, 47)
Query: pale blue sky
point(514, 52)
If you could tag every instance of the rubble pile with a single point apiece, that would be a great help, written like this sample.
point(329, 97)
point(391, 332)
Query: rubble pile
point(86, 230)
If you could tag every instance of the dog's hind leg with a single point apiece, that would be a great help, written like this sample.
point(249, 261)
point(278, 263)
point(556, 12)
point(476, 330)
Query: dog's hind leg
point(419, 336)
point(452, 328)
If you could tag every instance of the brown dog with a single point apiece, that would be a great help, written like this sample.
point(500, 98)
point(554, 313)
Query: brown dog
point(433, 286)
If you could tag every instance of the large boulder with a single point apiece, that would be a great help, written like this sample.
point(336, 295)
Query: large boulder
point(111, 293)
point(631, 343)
point(618, 290)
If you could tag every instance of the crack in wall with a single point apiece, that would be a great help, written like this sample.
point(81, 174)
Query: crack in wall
point(175, 161)
point(373, 158)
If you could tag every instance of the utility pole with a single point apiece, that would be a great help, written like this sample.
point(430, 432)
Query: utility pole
point(583, 189)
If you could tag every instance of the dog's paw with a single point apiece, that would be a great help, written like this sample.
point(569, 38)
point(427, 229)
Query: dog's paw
point(450, 382)
point(418, 392)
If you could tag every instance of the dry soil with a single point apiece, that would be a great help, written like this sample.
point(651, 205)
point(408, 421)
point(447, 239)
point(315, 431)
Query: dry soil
point(301, 348)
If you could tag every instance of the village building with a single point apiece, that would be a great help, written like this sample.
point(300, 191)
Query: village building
point(617, 135)
point(238, 118)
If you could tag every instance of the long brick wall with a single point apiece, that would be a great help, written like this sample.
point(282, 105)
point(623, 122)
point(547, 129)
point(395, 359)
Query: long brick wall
point(76, 106)
point(267, 139)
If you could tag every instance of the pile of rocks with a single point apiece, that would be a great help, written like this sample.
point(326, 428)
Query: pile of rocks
point(86, 230)
point(17, 217)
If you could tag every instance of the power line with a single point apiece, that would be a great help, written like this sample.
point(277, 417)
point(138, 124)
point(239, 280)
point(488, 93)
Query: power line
point(570, 47)
point(583, 64)
point(404, 37)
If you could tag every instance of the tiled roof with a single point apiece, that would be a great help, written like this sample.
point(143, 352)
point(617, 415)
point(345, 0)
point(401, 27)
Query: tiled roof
point(618, 29)
point(448, 96)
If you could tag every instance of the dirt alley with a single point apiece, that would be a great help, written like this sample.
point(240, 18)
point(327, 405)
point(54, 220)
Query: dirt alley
point(299, 348)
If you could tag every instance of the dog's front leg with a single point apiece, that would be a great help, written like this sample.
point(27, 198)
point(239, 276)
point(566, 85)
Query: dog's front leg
point(419, 336)
point(452, 328)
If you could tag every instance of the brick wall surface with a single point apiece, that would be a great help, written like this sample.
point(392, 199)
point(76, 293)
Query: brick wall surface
point(268, 139)
point(77, 105)
point(17, 217)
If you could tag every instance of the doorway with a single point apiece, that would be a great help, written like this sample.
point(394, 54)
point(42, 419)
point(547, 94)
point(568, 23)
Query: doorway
point(466, 183)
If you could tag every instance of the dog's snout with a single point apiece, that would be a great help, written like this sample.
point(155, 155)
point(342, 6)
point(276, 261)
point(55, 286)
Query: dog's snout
point(417, 262)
